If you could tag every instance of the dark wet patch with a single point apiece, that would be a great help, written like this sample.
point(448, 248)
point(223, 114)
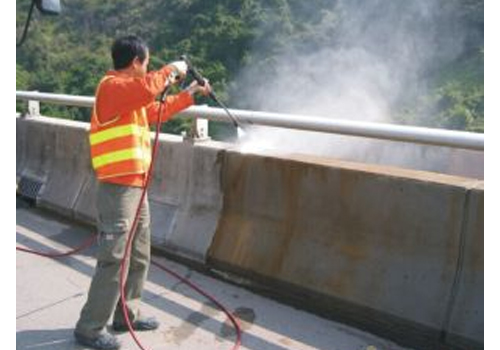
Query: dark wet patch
point(191, 323)
point(178, 284)
point(245, 316)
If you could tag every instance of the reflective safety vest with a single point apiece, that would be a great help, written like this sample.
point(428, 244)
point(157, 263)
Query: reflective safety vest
point(121, 146)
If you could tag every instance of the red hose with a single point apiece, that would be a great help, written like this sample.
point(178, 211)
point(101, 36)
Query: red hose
point(87, 243)
point(129, 244)
point(233, 319)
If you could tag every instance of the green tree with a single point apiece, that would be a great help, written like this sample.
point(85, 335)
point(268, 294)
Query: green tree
point(69, 53)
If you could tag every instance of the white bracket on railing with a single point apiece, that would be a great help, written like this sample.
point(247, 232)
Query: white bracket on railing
point(198, 131)
point(33, 108)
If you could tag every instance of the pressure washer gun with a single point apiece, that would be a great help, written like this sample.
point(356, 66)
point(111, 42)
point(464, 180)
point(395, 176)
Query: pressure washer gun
point(172, 79)
point(195, 74)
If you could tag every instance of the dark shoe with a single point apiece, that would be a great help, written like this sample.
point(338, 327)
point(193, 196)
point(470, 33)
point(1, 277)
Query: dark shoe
point(142, 324)
point(104, 341)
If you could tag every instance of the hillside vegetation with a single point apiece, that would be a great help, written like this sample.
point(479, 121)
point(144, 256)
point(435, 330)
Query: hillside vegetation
point(69, 53)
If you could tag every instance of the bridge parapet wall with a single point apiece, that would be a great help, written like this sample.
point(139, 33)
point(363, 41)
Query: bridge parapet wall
point(396, 252)
point(185, 195)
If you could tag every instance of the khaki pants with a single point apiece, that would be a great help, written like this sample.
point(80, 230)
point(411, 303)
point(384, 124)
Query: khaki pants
point(116, 206)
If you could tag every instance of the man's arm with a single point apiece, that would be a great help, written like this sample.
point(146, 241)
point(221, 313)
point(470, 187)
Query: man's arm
point(176, 103)
point(122, 94)
point(173, 104)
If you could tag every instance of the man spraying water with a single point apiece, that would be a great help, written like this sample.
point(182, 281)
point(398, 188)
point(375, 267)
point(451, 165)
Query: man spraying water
point(121, 156)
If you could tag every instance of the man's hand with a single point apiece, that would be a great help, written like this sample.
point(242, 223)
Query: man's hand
point(197, 88)
point(180, 68)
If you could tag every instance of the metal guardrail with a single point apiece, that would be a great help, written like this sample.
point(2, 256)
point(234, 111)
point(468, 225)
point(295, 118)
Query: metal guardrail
point(384, 131)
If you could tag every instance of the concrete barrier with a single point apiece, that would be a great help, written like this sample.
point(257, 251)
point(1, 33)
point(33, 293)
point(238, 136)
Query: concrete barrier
point(36, 155)
point(84, 208)
point(168, 188)
point(69, 168)
point(20, 146)
point(186, 195)
point(395, 252)
point(467, 313)
point(381, 240)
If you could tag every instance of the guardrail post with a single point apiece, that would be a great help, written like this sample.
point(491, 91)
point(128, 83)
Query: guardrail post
point(198, 131)
point(33, 108)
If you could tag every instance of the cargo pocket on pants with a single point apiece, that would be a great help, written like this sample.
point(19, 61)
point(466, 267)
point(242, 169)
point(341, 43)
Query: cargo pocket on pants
point(112, 240)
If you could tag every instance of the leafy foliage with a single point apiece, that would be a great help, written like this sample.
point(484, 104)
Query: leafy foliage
point(69, 53)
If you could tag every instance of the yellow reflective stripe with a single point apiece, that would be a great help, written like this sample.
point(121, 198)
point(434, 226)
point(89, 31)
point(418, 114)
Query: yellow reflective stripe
point(118, 131)
point(117, 156)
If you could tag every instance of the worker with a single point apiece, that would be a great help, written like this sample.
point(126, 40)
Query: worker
point(120, 149)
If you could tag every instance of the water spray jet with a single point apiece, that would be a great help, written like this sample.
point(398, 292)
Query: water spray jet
point(195, 74)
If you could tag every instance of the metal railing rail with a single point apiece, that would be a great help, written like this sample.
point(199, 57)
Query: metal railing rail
point(384, 131)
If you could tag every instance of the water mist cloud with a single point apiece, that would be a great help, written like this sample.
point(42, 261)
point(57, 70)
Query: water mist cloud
point(382, 54)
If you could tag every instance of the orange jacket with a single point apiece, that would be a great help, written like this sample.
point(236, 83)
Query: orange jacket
point(122, 101)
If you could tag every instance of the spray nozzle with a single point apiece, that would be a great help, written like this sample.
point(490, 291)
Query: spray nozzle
point(201, 81)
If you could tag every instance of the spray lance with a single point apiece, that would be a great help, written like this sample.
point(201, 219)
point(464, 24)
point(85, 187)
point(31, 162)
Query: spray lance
point(195, 74)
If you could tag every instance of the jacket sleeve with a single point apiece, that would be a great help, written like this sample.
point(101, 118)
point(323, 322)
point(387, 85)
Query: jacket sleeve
point(122, 95)
point(173, 104)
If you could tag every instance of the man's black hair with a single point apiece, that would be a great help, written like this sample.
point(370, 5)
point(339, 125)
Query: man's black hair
point(126, 48)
